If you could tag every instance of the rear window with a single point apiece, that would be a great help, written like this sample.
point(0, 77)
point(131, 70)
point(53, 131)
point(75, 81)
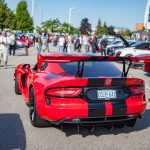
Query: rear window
point(93, 69)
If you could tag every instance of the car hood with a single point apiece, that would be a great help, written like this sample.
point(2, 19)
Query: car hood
point(125, 49)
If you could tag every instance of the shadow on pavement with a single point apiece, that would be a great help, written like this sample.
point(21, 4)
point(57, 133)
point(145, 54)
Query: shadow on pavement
point(147, 74)
point(8, 67)
point(141, 124)
point(12, 134)
point(22, 54)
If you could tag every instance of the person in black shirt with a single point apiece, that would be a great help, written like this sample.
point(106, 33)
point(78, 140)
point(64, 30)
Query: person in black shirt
point(94, 44)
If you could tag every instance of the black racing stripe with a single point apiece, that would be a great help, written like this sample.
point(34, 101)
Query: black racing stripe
point(119, 108)
point(96, 82)
point(96, 109)
point(118, 82)
point(93, 58)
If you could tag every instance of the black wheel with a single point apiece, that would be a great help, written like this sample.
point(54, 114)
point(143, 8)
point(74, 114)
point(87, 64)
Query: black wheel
point(35, 120)
point(17, 91)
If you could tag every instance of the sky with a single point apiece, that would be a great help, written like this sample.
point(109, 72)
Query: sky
point(118, 13)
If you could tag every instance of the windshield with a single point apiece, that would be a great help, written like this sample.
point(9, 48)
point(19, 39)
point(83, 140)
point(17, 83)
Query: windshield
point(93, 69)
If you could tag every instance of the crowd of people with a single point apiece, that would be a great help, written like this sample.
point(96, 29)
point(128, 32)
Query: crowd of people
point(42, 42)
point(70, 43)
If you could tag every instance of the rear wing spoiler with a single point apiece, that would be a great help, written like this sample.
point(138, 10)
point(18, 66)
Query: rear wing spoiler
point(81, 59)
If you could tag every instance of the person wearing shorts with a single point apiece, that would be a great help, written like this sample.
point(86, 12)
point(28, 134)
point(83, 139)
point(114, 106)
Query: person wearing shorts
point(5, 44)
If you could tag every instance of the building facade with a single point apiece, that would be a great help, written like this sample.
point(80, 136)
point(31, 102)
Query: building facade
point(147, 16)
point(139, 26)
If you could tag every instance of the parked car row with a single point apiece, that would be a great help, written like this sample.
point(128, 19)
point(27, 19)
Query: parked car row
point(20, 39)
point(140, 50)
point(118, 44)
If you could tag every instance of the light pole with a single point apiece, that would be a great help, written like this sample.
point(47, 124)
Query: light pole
point(41, 16)
point(70, 11)
point(33, 8)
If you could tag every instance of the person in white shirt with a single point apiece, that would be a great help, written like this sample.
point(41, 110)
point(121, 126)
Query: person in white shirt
point(86, 43)
point(61, 44)
point(4, 48)
point(69, 48)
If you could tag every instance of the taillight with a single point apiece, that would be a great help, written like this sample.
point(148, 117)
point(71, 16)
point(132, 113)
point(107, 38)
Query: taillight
point(137, 90)
point(64, 92)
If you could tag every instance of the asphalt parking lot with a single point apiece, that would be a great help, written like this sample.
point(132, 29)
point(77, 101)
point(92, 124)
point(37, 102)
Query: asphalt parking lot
point(16, 131)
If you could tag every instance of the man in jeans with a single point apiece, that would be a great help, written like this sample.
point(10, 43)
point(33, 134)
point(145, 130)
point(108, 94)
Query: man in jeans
point(12, 44)
point(61, 44)
point(5, 43)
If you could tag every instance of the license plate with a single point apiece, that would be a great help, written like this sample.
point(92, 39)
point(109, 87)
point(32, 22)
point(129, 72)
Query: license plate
point(106, 94)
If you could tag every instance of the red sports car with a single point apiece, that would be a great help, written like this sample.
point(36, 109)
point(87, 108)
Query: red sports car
point(147, 64)
point(142, 61)
point(82, 89)
point(21, 39)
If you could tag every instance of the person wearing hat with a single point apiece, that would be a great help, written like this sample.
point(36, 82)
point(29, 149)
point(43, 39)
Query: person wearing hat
point(5, 44)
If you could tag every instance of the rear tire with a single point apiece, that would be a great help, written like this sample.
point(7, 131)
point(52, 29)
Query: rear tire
point(129, 55)
point(17, 91)
point(35, 120)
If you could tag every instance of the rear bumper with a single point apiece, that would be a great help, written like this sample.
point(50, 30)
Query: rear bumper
point(65, 110)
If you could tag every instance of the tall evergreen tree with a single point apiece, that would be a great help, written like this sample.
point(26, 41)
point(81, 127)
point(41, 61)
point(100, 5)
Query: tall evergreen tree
point(99, 28)
point(85, 27)
point(23, 20)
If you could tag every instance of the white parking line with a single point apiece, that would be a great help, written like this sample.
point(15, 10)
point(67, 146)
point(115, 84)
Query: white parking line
point(147, 86)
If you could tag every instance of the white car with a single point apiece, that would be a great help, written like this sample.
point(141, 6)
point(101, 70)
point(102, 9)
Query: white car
point(19, 44)
point(139, 48)
point(120, 45)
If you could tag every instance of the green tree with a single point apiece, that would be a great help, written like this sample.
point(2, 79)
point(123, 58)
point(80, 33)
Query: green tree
point(105, 28)
point(77, 31)
point(51, 25)
point(125, 32)
point(23, 20)
point(85, 27)
point(99, 28)
point(10, 21)
point(3, 13)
